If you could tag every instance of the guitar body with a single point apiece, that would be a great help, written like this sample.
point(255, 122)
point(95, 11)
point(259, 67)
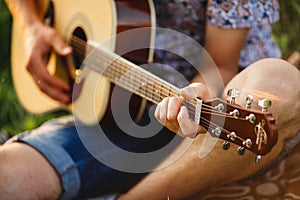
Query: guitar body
point(95, 20)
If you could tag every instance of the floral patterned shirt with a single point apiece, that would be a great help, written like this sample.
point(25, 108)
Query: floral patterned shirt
point(189, 17)
point(258, 15)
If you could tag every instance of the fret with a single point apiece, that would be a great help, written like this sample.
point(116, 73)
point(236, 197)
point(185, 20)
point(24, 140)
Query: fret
point(161, 93)
point(150, 90)
point(141, 82)
point(131, 77)
point(156, 93)
point(145, 87)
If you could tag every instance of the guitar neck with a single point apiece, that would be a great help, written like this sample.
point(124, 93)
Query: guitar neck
point(249, 129)
point(133, 78)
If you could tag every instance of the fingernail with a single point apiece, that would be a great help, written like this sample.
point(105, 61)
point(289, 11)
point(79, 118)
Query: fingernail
point(66, 50)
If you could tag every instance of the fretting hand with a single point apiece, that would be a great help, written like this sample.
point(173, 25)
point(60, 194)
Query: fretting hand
point(175, 117)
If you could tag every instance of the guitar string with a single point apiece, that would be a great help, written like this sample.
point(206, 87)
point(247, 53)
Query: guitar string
point(208, 123)
point(162, 89)
point(123, 72)
point(190, 104)
point(191, 109)
point(205, 122)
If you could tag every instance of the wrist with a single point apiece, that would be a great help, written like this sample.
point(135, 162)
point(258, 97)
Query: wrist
point(24, 12)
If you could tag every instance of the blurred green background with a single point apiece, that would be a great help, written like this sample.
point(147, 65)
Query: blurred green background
point(14, 119)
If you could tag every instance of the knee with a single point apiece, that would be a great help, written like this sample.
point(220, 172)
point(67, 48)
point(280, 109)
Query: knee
point(276, 80)
point(24, 173)
point(10, 162)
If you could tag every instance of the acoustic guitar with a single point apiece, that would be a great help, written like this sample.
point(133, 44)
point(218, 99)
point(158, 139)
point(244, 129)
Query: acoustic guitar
point(95, 69)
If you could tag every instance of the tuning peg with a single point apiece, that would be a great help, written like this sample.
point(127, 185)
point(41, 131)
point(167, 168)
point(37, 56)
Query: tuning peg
point(251, 118)
point(232, 136)
point(248, 143)
point(216, 132)
point(241, 151)
point(249, 101)
point(220, 107)
point(264, 104)
point(226, 145)
point(235, 113)
point(232, 94)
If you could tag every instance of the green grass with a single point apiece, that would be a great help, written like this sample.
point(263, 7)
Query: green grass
point(13, 117)
point(287, 32)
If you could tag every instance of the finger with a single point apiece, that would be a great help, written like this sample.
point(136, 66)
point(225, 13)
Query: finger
point(157, 112)
point(58, 44)
point(195, 90)
point(54, 93)
point(38, 67)
point(163, 110)
point(50, 85)
point(173, 108)
point(188, 127)
point(174, 127)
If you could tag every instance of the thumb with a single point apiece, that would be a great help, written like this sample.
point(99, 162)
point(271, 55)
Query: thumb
point(59, 45)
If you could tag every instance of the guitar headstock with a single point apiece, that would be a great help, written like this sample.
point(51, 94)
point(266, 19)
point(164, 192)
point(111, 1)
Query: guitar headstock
point(250, 129)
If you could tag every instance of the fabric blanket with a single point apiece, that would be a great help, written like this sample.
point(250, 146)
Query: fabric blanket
point(281, 181)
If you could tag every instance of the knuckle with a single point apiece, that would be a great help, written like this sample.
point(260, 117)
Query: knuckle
point(28, 68)
point(52, 34)
point(165, 100)
point(29, 65)
point(174, 100)
point(42, 87)
point(171, 118)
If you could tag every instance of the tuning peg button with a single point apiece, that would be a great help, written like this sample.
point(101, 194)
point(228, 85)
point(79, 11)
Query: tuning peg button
point(226, 145)
point(249, 101)
point(232, 94)
point(241, 151)
point(264, 104)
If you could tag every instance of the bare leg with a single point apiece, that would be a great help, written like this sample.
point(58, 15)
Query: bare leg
point(190, 174)
point(26, 174)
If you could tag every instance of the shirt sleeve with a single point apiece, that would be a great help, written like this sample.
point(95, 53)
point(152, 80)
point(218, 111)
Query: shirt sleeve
point(242, 13)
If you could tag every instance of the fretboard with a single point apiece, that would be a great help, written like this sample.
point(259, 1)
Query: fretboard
point(134, 78)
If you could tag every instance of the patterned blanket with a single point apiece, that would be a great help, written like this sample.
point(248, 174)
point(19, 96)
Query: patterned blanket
point(281, 181)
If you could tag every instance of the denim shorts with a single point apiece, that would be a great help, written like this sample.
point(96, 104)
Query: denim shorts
point(85, 173)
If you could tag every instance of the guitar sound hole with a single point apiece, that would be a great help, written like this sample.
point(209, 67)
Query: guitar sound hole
point(78, 43)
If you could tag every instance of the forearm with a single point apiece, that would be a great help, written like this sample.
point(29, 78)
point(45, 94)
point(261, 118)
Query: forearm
point(24, 12)
point(224, 47)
